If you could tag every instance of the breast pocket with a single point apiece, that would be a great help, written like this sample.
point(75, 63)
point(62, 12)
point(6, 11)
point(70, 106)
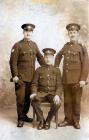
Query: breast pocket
point(24, 56)
point(42, 77)
point(42, 80)
point(53, 78)
point(74, 57)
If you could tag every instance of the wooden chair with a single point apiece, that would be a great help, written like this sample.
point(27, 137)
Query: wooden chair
point(44, 105)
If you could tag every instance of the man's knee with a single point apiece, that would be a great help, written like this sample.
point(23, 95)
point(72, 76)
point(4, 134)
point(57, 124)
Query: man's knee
point(58, 105)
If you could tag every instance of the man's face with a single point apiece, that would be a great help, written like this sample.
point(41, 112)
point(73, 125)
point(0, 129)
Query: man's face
point(27, 34)
point(49, 59)
point(73, 35)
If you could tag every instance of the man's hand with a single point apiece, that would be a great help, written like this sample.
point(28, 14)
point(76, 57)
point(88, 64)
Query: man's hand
point(16, 79)
point(82, 83)
point(57, 99)
point(32, 96)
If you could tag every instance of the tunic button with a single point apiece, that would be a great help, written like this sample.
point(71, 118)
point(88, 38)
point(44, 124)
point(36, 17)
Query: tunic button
point(69, 51)
point(66, 64)
point(67, 57)
point(66, 70)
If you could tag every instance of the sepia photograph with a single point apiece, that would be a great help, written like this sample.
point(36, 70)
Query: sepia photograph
point(44, 70)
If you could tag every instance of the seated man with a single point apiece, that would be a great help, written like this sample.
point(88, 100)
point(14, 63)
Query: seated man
point(46, 87)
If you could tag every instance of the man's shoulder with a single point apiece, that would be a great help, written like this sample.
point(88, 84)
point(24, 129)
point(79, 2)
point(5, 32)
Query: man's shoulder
point(81, 45)
point(67, 44)
point(34, 43)
point(18, 43)
point(39, 68)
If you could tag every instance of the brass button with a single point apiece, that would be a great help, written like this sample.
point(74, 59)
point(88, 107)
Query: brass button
point(68, 51)
point(66, 70)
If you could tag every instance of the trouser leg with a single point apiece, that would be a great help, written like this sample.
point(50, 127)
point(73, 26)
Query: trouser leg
point(37, 108)
point(54, 108)
point(76, 103)
point(68, 103)
point(20, 95)
point(27, 98)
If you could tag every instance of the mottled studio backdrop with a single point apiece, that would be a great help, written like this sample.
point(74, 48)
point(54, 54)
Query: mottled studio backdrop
point(50, 18)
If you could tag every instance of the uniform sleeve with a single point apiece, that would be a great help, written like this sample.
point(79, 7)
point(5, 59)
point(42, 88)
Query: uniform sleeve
point(40, 57)
point(34, 85)
point(59, 87)
point(58, 58)
point(85, 65)
point(14, 60)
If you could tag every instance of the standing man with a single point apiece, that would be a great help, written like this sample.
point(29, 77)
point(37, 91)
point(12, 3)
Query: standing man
point(75, 72)
point(22, 64)
point(46, 87)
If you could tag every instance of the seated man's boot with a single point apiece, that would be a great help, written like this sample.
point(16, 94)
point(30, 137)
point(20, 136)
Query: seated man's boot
point(64, 123)
point(27, 119)
point(76, 125)
point(40, 125)
point(47, 125)
point(20, 123)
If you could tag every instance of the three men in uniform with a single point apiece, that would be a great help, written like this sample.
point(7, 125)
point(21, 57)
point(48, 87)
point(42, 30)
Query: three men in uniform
point(44, 84)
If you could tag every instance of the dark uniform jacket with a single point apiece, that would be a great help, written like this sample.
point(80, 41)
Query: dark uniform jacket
point(47, 80)
point(22, 60)
point(75, 66)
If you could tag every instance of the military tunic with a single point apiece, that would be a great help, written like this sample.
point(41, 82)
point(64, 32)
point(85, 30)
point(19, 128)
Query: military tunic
point(22, 60)
point(46, 83)
point(75, 69)
point(22, 64)
point(75, 66)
